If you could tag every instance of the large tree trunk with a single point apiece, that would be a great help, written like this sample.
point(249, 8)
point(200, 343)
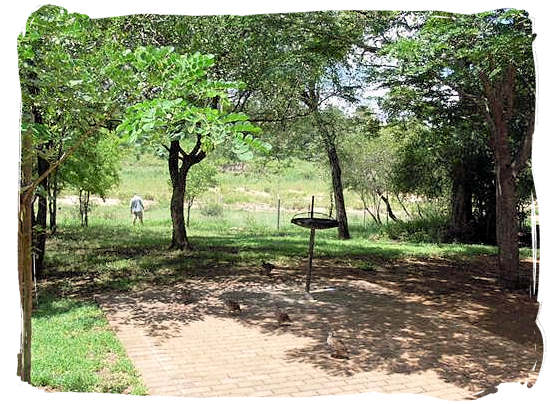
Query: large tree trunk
point(179, 233)
point(461, 204)
point(499, 113)
point(178, 177)
point(507, 228)
point(506, 217)
point(338, 189)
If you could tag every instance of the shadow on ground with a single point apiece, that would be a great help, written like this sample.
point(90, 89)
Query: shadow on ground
point(406, 317)
point(396, 314)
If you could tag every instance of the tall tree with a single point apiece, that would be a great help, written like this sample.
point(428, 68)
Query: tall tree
point(486, 59)
point(442, 154)
point(293, 64)
point(45, 60)
point(93, 170)
point(67, 96)
point(185, 113)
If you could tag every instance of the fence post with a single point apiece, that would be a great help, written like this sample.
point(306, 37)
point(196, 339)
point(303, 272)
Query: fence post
point(278, 213)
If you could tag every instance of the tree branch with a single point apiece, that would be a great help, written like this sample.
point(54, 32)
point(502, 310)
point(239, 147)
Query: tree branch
point(197, 147)
point(525, 152)
point(280, 119)
point(32, 186)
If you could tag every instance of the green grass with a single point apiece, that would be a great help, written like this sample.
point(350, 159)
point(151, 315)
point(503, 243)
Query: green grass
point(73, 349)
point(148, 176)
point(120, 256)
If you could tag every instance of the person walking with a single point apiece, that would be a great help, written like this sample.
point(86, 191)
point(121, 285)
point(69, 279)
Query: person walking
point(137, 208)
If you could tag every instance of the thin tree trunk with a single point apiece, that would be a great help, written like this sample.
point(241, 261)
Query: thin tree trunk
point(189, 204)
point(81, 206)
point(338, 190)
point(41, 219)
point(461, 201)
point(366, 208)
point(402, 205)
point(419, 211)
point(311, 98)
point(53, 190)
point(86, 208)
point(389, 210)
point(24, 258)
point(52, 202)
point(378, 210)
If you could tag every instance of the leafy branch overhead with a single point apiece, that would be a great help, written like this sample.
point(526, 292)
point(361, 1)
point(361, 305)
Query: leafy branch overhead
point(180, 103)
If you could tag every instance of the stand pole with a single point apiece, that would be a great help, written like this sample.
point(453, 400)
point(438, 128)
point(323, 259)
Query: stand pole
point(311, 242)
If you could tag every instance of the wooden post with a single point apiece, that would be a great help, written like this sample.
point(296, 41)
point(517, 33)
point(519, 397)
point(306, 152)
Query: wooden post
point(311, 242)
point(278, 214)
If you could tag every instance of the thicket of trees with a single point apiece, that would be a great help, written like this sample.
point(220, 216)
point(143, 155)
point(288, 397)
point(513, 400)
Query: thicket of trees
point(455, 125)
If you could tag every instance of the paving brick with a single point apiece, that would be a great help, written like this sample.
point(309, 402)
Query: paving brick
point(222, 356)
point(196, 390)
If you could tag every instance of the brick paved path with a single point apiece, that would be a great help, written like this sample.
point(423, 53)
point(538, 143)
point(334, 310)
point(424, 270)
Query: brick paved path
point(185, 343)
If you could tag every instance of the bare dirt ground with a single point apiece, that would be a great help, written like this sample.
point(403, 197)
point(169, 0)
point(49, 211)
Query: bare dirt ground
point(430, 326)
point(72, 200)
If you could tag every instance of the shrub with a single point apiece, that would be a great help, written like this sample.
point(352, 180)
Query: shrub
point(212, 209)
point(428, 229)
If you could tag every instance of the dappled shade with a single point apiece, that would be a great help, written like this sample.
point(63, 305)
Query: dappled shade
point(404, 317)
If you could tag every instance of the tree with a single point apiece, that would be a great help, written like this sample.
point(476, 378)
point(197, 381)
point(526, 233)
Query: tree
point(201, 178)
point(44, 44)
point(185, 113)
point(485, 59)
point(62, 68)
point(93, 170)
point(371, 169)
point(293, 64)
point(443, 155)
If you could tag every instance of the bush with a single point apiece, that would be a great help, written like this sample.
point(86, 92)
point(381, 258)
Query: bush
point(428, 229)
point(212, 209)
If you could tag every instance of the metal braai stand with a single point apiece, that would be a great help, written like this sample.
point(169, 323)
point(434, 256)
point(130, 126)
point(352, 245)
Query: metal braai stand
point(313, 220)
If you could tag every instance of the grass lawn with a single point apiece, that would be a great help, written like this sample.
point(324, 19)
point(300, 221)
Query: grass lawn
point(74, 350)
